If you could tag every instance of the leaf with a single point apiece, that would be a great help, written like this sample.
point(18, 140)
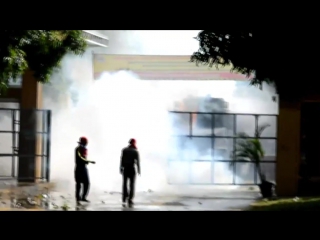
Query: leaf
point(249, 149)
point(260, 129)
point(38, 50)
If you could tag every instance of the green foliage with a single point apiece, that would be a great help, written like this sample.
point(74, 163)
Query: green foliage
point(240, 50)
point(290, 204)
point(250, 149)
point(219, 48)
point(38, 50)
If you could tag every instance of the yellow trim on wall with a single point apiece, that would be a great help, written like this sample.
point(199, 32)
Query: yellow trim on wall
point(160, 67)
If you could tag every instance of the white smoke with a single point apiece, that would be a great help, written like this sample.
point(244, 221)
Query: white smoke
point(119, 106)
point(114, 109)
point(151, 42)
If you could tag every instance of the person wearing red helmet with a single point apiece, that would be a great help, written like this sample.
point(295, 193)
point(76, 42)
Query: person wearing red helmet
point(129, 158)
point(81, 171)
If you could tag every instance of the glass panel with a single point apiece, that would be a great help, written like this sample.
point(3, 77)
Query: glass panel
point(176, 147)
point(222, 173)
point(202, 124)
point(6, 115)
point(270, 147)
point(180, 123)
point(269, 169)
point(246, 124)
point(44, 143)
point(269, 131)
point(186, 149)
point(5, 166)
point(198, 148)
point(222, 148)
point(6, 143)
point(223, 125)
point(179, 172)
point(5, 120)
point(244, 173)
point(201, 172)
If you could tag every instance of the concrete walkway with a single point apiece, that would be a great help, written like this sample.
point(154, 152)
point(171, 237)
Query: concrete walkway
point(190, 199)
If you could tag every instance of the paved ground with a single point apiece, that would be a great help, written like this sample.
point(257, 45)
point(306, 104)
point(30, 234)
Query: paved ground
point(180, 199)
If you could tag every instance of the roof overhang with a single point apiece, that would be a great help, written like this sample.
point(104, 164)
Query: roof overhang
point(95, 39)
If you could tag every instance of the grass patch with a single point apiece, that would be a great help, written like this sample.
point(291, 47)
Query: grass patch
point(288, 204)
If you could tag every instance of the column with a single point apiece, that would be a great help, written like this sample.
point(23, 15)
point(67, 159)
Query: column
point(288, 148)
point(29, 167)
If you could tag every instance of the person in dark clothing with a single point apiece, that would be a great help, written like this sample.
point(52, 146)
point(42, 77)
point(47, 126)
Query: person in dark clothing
point(81, 171)
point(129, 158)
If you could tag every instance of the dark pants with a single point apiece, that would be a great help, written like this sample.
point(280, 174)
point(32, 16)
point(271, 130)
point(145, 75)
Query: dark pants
point(128, 174)
point(82, 177)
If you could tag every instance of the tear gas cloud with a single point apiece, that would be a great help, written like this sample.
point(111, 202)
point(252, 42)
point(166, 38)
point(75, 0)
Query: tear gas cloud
point(119, 106)
point(112, 110)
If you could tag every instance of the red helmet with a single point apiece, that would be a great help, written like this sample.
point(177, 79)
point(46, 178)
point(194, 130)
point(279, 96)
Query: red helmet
point(83, 141)
point(132, 141)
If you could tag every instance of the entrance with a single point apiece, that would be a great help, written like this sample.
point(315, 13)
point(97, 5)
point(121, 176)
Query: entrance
point(203, 145)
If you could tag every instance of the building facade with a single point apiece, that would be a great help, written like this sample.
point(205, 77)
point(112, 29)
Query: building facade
point(29, 94)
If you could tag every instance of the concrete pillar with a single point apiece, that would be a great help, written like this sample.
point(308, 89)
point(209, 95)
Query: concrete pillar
point(29, 168)
point(288, 148)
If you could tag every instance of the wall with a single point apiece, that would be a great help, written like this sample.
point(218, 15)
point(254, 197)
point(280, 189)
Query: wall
point(161, 67)
point(288, 148)
point(29, 140)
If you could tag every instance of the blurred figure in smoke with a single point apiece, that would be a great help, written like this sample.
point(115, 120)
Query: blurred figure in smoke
point(81, 171)
point(129, 158)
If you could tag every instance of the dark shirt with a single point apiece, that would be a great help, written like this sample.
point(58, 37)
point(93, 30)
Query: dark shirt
point(130, 157)
point(80, 157)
